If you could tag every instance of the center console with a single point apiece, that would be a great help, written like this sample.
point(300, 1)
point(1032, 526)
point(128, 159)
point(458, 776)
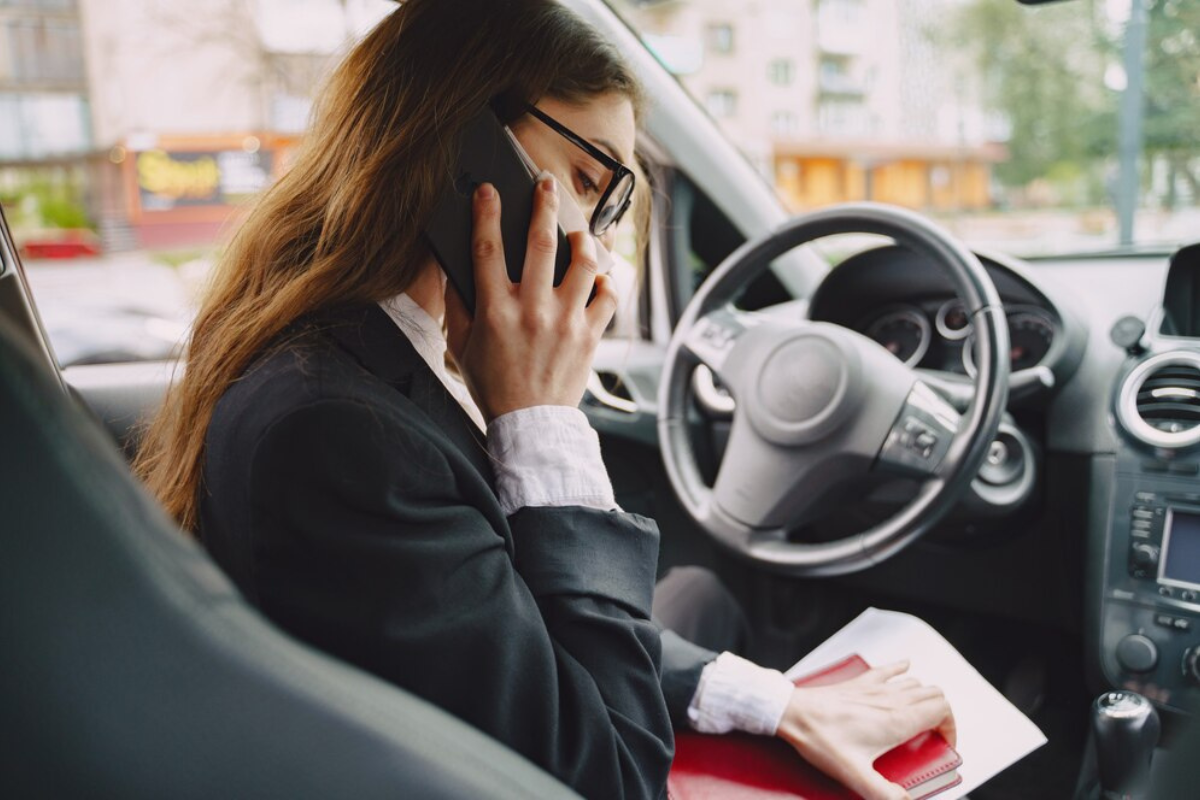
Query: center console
point(1150, 620)
point(1149, 626)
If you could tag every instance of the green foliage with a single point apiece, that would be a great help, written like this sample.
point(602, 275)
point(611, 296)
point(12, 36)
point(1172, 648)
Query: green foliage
point(43, 201)
point(1172, 123)
point(61, 212)
point(1044, 70)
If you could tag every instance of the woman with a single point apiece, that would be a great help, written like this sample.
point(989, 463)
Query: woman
point(320, 450)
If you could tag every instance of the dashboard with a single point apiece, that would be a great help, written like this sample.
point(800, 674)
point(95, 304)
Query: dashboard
point(907, 305)
point(936, 333)
point(1132, 412)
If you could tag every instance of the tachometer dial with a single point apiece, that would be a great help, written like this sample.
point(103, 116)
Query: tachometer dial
point(904, 332)
point(1031, 333)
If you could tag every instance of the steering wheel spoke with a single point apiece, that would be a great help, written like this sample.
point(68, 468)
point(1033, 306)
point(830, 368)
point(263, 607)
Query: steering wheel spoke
point(919, 440)
point(714, 337)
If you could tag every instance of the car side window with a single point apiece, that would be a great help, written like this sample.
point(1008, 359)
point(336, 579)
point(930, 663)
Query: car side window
point(131, 142)
point(701, 237)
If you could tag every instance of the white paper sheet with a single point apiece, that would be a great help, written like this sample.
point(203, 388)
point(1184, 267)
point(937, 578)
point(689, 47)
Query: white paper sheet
point(992, 733)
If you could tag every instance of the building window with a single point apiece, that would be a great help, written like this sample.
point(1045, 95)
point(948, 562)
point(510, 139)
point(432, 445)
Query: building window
point(41, 51)
point(781, 72)
point(722, 103)
point(43, 125)
point(843, 117)
point(785, 123)
point(842, 12)
point(720, 38)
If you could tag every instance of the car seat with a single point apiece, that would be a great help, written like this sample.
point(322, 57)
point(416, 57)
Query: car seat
point(132, 668)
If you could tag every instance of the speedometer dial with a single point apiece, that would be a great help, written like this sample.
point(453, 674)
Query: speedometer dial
point(904, 332)
point(1031, 333)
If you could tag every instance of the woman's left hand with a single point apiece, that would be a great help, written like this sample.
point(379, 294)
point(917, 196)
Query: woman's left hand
point(842, 728)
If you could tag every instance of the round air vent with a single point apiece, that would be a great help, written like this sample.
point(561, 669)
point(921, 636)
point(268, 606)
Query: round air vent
point(1159, 402)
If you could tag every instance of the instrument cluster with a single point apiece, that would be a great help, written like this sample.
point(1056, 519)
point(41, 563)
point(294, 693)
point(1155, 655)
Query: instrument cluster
point(938, 334)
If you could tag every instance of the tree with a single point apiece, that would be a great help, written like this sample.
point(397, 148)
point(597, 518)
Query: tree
point(1043, 70)
point(1172, 123)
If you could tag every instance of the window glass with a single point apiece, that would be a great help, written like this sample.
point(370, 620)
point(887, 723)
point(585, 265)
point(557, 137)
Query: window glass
point(720, 37)
point(722, 102)
point(132, 134)
point(1002, 121)
point(780, 71)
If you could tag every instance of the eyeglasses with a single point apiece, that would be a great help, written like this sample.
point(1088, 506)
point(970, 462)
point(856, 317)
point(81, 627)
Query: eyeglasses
point(614, 202)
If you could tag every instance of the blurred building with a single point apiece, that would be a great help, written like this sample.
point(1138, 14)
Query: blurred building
point(46, 139)
point(153, 120)
point(833, 99)
point(196, 107)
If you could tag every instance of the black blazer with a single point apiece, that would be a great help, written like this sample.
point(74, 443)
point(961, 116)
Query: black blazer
point(352, 500)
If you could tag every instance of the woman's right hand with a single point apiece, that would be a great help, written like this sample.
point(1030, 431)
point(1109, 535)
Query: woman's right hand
point(531, 343)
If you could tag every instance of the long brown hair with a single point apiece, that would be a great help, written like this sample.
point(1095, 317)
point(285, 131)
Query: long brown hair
point(343, 225)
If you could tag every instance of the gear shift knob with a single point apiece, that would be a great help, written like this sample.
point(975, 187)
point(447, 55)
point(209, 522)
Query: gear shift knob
point(1126, 728)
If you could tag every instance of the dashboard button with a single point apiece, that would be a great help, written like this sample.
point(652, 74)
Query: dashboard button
point(1166, 591)
point(1181, 624)
point(1137, 653)
point(1185, 468)
point(1144, 497)
point(1164, 620)
point(1145, 556)
point(1188, 597)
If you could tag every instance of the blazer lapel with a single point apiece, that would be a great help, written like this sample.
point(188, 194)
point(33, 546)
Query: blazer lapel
point(369, 335)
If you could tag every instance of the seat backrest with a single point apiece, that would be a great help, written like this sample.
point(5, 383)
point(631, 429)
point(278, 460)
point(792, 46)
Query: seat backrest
point(130, 667)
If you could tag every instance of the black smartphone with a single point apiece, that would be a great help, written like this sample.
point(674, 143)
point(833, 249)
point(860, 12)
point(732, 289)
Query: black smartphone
point(487, 154)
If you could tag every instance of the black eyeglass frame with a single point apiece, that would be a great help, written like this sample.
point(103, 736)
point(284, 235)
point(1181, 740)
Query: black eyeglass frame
point(619, 170)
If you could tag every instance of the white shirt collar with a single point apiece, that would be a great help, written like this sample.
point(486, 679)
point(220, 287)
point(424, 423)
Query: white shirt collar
point(426, 336)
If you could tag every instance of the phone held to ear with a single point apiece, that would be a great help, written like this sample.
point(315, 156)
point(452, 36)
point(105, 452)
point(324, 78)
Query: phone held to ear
point(487, 154)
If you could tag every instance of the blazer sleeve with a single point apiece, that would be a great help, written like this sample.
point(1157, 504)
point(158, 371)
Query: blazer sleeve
point(682, 665)
point(371, 541)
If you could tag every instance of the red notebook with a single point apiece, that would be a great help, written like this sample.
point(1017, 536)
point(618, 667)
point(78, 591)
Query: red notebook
point(739, 766)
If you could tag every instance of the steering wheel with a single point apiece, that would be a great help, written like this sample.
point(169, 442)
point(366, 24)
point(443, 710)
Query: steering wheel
point(818, 405)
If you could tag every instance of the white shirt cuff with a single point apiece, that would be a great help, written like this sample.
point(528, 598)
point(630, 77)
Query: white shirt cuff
point(548, 456)
point(736, 694)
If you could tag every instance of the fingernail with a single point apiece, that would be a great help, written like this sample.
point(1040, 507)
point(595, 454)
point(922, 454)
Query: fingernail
point(547, 183)
point(485, 191)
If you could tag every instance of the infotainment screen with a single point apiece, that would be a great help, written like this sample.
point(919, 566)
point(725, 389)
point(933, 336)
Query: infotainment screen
point(1181, 549)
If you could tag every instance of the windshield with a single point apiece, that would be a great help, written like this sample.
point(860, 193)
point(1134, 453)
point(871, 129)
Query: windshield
point(1043, 130)
point(133, 132)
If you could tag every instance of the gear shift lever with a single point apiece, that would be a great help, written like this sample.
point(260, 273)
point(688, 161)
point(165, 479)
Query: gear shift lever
point(1126, 727)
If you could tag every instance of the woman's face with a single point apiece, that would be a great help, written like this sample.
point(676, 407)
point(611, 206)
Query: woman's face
point(605, 120)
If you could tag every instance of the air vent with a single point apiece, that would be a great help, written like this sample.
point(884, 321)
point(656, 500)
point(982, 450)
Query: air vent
point(1159, 402)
